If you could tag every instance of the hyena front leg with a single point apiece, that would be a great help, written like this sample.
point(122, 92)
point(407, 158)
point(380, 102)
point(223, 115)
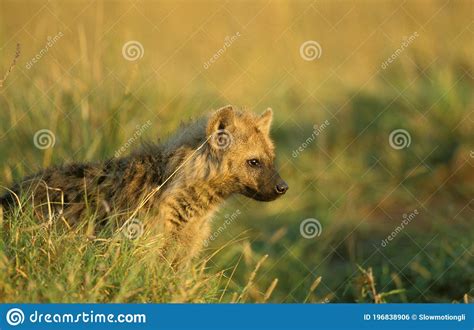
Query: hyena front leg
point(184, 237)
point(193, 235)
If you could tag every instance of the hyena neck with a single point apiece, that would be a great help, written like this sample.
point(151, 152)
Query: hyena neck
point(192, 162)
point(193, 184)
point(195, 189)
point(195, 168)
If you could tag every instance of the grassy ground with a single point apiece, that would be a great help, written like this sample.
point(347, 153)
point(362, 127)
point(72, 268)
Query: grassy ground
point(348, 177)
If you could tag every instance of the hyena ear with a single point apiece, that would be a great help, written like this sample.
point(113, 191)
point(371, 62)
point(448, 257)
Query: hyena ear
point(222, 119)
point(265, 121)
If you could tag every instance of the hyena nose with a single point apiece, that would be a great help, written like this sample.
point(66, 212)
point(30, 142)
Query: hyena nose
point(281, 187)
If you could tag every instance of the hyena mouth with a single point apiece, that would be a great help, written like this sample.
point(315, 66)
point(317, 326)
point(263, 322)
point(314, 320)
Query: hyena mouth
point(259, 196)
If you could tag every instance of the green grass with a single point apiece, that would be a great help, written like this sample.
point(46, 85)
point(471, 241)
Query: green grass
point(47, 262)
point(349, 178)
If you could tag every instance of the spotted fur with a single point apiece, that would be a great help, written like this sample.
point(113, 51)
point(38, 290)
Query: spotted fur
point(175, 186)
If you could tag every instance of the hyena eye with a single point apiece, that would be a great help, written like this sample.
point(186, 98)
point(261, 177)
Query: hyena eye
point(253, 162)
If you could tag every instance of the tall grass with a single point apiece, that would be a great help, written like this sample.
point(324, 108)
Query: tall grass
point(349, 177)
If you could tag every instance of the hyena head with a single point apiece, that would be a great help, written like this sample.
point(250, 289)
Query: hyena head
point(241, 143)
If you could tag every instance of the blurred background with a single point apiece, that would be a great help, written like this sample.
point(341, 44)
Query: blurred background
point(374, 126)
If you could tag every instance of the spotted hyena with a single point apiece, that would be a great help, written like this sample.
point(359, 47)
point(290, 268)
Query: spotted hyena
point(176, 186)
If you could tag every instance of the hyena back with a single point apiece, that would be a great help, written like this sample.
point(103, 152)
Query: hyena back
point(177, 185)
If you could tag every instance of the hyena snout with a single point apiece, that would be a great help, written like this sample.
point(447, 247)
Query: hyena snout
point(269, 188)
point(281, 187)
